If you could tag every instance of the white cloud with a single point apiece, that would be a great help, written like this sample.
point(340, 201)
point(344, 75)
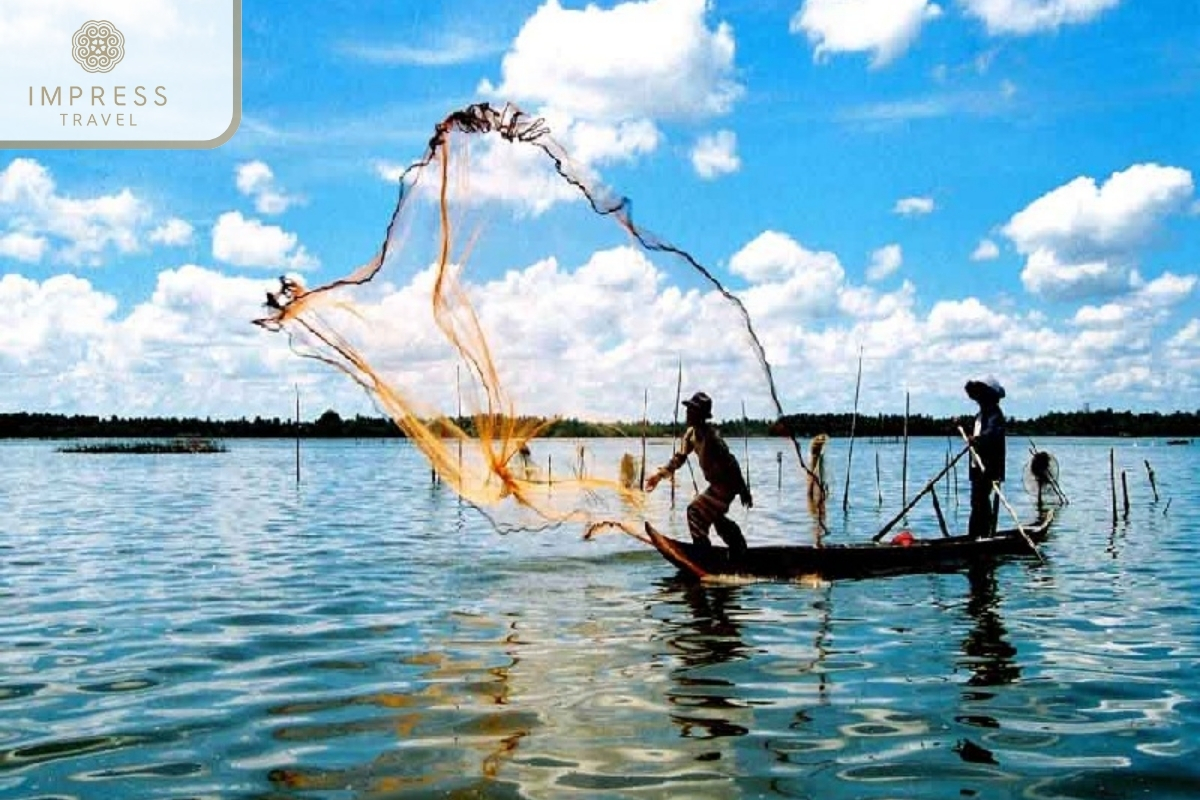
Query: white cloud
point(913, 206)
point(652, 59)
point(885, 261)
point(23, 247)
point(256, 180)
point(81, 230)
point(986, 250)
point(173, 233)
point(1082, 239)
point(1021, 17)
point(249, 243)
point(884, 28)
point(716, 154)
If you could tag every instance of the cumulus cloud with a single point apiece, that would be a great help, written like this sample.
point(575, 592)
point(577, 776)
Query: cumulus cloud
point(884, 261)
point(256, 180)
point(573, 338)
point(1020, 17)
point(650, 59)
point(1082, 239)
point(716, 154)
point(249, 243)
point(173, 233)
point(607, 79)
point(913, 206)
point(36, 219)
point(986, 250)
point(883, 28)
point(23, 247)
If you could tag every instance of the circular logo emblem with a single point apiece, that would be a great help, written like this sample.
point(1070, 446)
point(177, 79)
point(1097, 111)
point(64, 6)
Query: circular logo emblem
point(98, 46)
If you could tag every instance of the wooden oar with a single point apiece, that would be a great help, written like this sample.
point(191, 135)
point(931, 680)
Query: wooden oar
point(929, 486)
point(996, 486)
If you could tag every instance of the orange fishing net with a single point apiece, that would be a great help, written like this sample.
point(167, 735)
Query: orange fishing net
point(414, 328)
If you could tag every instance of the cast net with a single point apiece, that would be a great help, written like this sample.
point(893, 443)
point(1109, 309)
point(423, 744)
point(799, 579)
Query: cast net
point(476, 326)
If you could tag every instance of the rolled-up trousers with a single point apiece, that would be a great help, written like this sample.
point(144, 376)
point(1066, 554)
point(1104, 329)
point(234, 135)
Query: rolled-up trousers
point(709, 509)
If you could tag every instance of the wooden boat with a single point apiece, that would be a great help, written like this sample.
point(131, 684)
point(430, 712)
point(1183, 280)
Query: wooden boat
point(789, 562)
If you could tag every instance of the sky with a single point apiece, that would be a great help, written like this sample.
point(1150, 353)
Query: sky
point(953, 189)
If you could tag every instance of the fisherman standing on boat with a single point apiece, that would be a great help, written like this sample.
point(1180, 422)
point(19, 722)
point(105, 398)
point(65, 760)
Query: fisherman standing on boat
point(987, 439)
point(721, 470)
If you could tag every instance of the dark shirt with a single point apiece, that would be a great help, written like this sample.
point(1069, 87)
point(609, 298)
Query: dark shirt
point(720, 467)
point(989, 444)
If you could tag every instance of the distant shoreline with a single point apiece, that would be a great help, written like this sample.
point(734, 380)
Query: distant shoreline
point(1106, 423)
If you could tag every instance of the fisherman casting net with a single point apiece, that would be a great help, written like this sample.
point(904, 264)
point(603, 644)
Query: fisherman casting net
point(473, 321)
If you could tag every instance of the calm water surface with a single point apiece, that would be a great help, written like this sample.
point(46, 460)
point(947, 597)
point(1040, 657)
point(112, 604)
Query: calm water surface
point(199, 626)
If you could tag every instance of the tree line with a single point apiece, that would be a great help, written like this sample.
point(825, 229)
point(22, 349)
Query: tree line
point(1103, 422)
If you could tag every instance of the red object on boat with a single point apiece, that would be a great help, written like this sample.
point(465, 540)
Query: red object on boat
point(903, 538)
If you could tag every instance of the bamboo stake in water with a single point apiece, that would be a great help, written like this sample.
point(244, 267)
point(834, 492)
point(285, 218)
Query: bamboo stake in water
point(746, 442)
point(645, 414)
point(779, 466)
point(937, 509)
point(675, 425)
point(1125, 493)
point(1112, 481)
point(1153, 485)
point(297, 434)
point(853, 421)
point(878, 483)
point(459, 421)
point(904, 467)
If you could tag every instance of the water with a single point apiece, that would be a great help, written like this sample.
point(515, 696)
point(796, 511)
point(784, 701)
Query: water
point(198, 626)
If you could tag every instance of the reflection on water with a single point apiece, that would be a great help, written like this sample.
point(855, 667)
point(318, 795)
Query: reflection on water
point(706, 702)
point(465, 702)
point(989, 655)
point(205, 628)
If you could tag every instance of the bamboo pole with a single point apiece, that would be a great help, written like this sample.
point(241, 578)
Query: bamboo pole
point(297, 434)
point(1153, 485)
point(746, 442)
point(878, 482)
point(458, 391)
point(1112, 481)
point(779, 469)
point(1125, 493)
point(645, 414)
point(937, 509)
point(853, 423)
point(908, 506)
point(1002, 498)
point(904, 465)
point(674, 425)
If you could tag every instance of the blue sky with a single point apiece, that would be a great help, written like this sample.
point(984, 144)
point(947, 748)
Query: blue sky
point(960, 188)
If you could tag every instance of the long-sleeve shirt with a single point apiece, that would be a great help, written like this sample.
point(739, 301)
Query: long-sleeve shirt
point(720, 467)
point(989, 444)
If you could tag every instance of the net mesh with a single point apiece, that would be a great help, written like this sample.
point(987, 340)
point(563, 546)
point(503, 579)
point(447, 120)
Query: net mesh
point(419, 328)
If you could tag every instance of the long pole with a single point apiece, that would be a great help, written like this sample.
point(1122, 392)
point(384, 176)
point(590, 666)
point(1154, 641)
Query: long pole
point(908, 506)
point(853, 421)
point(297, 434)
point(746, 441)
point(458, 391)
point(904, 465)
point(675, 423)
point(1112, 482)
point(1125, 493)
point(996, 487)
point(645, 414)
point(878, 483)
